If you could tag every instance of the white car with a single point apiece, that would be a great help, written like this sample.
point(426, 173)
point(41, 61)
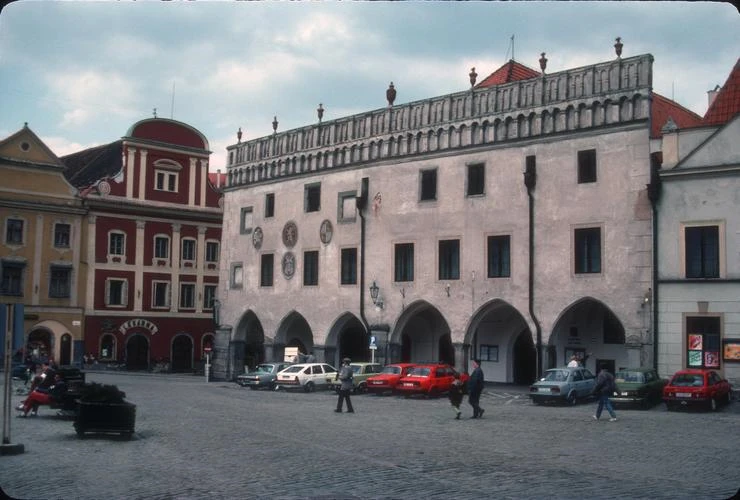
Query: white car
point(306, 376)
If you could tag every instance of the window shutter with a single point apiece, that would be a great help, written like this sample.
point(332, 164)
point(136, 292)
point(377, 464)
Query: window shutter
point(124, 293)
point(107, 292)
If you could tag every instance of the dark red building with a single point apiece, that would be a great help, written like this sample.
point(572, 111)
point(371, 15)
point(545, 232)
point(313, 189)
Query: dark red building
point(154, 226)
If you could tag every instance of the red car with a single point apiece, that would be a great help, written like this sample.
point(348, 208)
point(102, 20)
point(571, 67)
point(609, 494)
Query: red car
point(387, 379)
point(429, 379)
point(695, 387)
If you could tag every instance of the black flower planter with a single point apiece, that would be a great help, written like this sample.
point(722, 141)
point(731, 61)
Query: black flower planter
point(105, 418)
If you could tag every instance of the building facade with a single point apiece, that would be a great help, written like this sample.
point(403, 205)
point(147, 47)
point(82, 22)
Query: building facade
point(508, 222)
point(43, 227)
point(153, 246)
point(698, 239)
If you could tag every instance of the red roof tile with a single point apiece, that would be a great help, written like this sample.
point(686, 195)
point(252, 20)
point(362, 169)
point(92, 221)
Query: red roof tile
point(214, 178)
point(727, 102)
point(511, 71)
point(663, 108)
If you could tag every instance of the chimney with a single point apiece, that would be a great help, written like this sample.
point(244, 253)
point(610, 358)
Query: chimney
point(712, 95)
point(218, 178)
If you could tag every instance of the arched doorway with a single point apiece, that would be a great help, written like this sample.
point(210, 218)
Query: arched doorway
point(446, 351)
point(65, 350)
point(137, 353)
point(182, 354)
point(249, 343)
point(423, 334)
point(294, 332)
point(525, 359)
point(351, 339)
point(39, 344)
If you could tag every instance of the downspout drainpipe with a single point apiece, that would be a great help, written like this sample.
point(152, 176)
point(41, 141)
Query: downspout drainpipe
point(530, 180)
point(361, 203)
point(654, 191)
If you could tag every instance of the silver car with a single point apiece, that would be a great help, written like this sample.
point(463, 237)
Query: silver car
point(566, 385)
point(262, 376)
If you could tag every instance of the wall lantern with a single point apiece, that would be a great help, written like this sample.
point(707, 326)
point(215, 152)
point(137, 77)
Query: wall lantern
point(374, 294)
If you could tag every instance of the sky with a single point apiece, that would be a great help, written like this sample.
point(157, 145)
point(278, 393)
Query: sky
point(80, 73)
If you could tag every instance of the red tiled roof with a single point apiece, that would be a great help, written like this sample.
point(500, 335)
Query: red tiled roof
point(214, 178)
point(663, 108)
point(727, 102)
point(511, 71)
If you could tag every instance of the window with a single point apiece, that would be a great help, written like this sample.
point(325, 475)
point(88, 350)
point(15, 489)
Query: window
point(347, 206)
point(587, 166)
point(703, 341)
point(269, 205)
point(587, 243)
point(61, 235)
point(60, 282)
point(237, 275)
point(166, 181)
point(161, 247)
point(14, 232)
point(267, 269)
point(209, 296)
point(116, 242)
point(499, 256)
point(310, 268)
point(116, 292)
point(404, 262)
point(349, 266)
point(428, 185)
point(702, 252)
point(108, 347)
point(187, 296)
point(246, 221)
point(312, 198)
point(476, 179)
point(488, 352)
point(12, 278)
point(211, 251)
point(160, 294)
point(449, 259)
point(188, 250)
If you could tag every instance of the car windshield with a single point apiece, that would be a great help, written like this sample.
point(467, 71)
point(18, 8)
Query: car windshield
point(294, 369)
point(556, 375)
point(419, 372)
point(264, 368)
point(356, 368)
point(393, 370)
point(688, 380)
point(630, 377)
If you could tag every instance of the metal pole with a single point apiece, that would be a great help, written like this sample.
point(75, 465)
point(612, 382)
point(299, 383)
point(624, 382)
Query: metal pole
point(7, 317)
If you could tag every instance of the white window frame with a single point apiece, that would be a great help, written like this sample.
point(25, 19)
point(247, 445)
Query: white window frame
point(69, 235)
point(184, 296)
point(218, 249)
point(236, 276)
point(194, 254)
point(24, 230)
point(206, 287)
point(165, 180)
point(124, 292)
point(167, 296)
point(123, 243)
point(158, 237)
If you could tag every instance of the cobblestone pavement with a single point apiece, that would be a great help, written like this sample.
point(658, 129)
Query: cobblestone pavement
point(195, 440)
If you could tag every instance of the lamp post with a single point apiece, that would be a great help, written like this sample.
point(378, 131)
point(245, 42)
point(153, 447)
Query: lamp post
point(374, 292)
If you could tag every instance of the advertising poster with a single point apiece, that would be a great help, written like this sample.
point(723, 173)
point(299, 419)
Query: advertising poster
point(732, 350)
point(711, 359)
point(695, 358)
point(695, 342)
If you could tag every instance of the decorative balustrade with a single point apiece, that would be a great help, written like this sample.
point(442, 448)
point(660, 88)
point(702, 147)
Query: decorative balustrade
point(591, 96)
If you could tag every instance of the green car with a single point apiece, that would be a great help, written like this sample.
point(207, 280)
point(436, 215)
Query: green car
point(641, 387)
point(360, 373)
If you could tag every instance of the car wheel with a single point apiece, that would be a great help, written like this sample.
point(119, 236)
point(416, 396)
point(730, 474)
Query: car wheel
point(309, 387)
point(572, 399)
point(727, 398)
point(362, 388)
point(536, 402)
point(253, 387)
point(669, 406)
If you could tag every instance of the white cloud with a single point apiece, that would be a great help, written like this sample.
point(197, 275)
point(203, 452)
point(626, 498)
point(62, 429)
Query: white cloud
point(62, 146)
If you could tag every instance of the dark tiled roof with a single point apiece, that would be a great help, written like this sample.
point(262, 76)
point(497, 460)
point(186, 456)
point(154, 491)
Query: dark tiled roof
point(511, 71)
point(86, 167)
point(663, 108)
point(727, 102)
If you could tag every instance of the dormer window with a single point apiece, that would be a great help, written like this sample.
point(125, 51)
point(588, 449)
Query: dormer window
point(166, 174)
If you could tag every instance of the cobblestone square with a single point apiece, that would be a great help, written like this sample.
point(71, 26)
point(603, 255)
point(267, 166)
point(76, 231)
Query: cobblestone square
point(198, 440)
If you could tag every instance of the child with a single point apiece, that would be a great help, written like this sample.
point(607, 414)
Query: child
point(456, 396)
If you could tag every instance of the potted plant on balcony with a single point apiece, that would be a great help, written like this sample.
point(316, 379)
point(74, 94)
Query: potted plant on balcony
point(103, 409)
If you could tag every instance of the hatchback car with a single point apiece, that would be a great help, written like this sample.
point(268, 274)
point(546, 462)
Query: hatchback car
point(429, 380)
point(306, 376)
point(641, 387)
point(262, 376)
point(696, 387)
point(360, 373)
point(388, 378)
point(565, 385)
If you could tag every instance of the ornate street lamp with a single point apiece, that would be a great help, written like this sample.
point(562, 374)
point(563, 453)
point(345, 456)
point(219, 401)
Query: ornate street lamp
point(374, 292)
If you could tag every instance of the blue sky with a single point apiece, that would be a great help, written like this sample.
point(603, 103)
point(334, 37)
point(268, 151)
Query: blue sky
point(81, 73)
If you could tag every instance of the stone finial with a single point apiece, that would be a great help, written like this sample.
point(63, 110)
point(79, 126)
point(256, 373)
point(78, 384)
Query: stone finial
point(473, 75)
point(274, 125)
point(239, 135)
point(320, 111)
point(390, 94)
point(618, 46)
point(543, 62)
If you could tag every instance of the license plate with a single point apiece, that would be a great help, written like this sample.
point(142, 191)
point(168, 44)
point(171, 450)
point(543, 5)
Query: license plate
point(376, 382)
point(407, 384)
point(625, 394)
point(683, 394)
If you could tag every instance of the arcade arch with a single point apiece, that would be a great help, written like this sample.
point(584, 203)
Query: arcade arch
point(249, 343)
point(347, 338)
point(423, 335)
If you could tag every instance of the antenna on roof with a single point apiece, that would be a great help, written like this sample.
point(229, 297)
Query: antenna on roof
point(172, 107)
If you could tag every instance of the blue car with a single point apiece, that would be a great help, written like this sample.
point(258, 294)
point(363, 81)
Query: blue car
point(564, 385)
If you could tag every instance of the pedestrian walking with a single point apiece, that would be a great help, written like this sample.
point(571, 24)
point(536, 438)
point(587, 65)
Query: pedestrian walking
point(345, 376)
point(475, 388)
point(604, 388)
point(456, 396)
point(574, 362)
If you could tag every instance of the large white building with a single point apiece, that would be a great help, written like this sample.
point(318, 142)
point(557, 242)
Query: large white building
point(508, 222)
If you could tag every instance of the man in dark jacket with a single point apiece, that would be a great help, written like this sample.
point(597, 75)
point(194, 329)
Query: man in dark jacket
point(475, 388)
point(603, 389)
point(345, 376)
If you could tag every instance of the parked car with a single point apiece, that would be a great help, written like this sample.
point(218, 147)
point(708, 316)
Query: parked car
point(696, 387)
point(306, 376)
point(386, 380)
point(429, 380)
point(564, 385)
point(638, 386)
point(360, 373)
point(263, 376)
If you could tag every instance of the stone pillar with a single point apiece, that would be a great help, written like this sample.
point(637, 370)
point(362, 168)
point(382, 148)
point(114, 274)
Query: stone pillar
point(269, 353)
point(236, 349)
point(221, 353)
point(319, 351)
point(381, 332)
point(460, 356)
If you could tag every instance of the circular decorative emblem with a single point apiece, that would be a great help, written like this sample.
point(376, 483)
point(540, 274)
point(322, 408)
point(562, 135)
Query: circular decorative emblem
point(288, 265)
point(104, 188)
point(326, 231)
point(257, 237)
point(290, 234)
